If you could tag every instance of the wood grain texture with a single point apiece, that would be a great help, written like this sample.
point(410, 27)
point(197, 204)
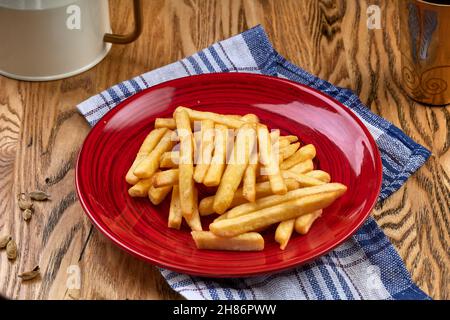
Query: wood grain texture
point(41, 133)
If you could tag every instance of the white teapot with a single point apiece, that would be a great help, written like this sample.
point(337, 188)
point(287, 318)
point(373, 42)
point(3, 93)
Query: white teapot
point(52, 39)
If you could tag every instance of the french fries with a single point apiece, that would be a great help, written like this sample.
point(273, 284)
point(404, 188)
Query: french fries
point(290, 138)
point(260, 178)
point(231, 122)
point(302, 167)
point(249, 180)
point(166, 178)
point(147, 146)
point(304, 153)
point(304, 223)
point(215, 170)
point(175, 216)
point(273, 200)
point(186, 165)
point(235, 169)
point(150, 163)
point(319, 175)
point(268, 216)
point(289, 150)
point(262, 189)
point(270, 160)
point(169, 160)
point(251, 241)
point(253, 118)
point(194, 220)
point(165, 123)
point(302, 179)
point(157, 195)
point(284, 231)
point(282, 143)
point(249, 183)
point(140, 189)
point(206, 150)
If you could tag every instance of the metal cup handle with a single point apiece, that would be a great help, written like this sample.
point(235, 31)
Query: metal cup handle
point(130, 37)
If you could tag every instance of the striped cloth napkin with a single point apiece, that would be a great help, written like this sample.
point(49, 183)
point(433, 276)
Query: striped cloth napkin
point(364, 267)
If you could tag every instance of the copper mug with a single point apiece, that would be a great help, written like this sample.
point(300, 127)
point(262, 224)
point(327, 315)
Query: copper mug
point(425, 50)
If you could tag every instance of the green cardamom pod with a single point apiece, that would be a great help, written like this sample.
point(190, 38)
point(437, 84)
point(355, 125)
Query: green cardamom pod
point(29, 275)
point(39, 195)
point(4, 241)
point(24, 202)
point(11, 250)
point(26, 214)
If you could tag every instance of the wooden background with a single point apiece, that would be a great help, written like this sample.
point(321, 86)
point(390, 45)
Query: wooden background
point(41, 133)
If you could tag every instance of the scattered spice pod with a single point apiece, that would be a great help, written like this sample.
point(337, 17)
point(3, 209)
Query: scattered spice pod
point(26, 214)
point(29, 275)
point(4, 241)
point(39, 195)
point(11, 250)
point(24, 201)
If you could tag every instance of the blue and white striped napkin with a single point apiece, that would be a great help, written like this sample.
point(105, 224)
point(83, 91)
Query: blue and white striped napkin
point(364, 267)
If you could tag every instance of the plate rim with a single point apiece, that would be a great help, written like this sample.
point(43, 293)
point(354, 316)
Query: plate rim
point(187, 269)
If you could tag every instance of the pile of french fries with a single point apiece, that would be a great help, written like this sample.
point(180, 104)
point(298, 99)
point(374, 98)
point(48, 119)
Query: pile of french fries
point(259, 177)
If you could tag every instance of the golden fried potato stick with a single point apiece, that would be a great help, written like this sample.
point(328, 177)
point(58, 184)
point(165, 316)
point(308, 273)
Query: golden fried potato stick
point(231, 122)
point(249, 182)
point(235, 169)
point(319, 175)
point(165, 123)
point(186, 165)
point(262, 189)
point(169, 159)
point(303, 167)
point(283, 232)
point(304, 153)
point(166, 178)
point(269, 159)
point(302, 179)
point(215, 170)
point(194, 220)
point(148, 166)
point(251, 241)
point(268, 216)
point(304, 223)
point(274, 200)
point(140, 189)
point(175, 216)
point(291, 138)
point(283, 143)
point(206, 150)
point(253, 118)
point(288, 151)
point(147, 146)
point(157, 195)
point(274, 135)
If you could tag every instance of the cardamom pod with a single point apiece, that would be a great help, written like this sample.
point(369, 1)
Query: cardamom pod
point(39, 195)
point(29, 275)
point(24, 202)
point(11, 250)
point(26, 214)
point(4, 241)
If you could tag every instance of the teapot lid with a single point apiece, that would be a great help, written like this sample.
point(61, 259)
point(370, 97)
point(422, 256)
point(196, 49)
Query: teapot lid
point(34, 4)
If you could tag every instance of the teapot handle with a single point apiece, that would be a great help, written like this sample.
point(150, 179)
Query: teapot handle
point(130, 37)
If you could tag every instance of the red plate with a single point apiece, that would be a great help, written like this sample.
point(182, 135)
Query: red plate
point(344, 146)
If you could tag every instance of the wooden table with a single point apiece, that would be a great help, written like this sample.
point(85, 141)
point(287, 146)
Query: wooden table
point(41, 134)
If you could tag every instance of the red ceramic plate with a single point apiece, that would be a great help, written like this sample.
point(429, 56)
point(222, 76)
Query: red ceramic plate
point(345, 149)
